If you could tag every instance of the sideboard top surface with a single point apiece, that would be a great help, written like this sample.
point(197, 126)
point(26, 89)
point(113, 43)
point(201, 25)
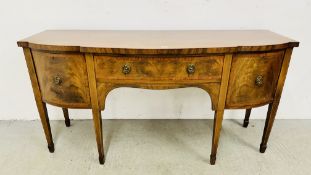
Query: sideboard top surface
point(118, 40)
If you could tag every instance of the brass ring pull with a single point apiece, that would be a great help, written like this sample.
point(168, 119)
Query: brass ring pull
point(126, 69)
point(259, 80)
point(190, 68)
point(57, 80)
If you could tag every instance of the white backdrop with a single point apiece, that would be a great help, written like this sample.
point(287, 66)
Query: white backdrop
point(19, 19)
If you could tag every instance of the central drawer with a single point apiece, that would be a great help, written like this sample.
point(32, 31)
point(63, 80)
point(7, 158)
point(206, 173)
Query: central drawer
point(205, 68)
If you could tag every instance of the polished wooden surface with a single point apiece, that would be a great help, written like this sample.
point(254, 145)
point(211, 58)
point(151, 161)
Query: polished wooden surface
point(153, 42)
point(109, 68)
point(273, 106)
point(243, 91)
point(97, 118)
point(41, 106)
point(238, 69)
point(218, 117)
point(72, 89)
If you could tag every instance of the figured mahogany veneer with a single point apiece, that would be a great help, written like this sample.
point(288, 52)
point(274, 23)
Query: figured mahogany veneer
point(77, 69)
point(246, 67)
point(72, 90)
point(207, 68)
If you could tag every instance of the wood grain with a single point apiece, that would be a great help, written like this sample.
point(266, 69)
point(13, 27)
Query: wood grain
point(38, 97)
point(218, 117)
point(97, 118)
point(103, 89)
point(73, 89)
point(273, 107)
point(243, 91)
point(158, 42)
point(238, 69)
point(207, 69)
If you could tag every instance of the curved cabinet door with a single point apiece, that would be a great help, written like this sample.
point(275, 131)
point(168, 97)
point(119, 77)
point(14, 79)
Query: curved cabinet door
point(253, 79)
point(62, 78)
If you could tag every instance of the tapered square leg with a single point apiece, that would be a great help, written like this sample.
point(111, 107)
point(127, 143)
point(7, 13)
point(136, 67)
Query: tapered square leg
point(216, 133)
point(273, 107)
point(41, 106)
point(99, 135)
point(268, 125)
point(46, 125)
point(218, 116)
point(97, 118)
point(246, 119)
point(66, 116)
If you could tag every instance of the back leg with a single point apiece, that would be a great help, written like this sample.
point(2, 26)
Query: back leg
point(246, 119)
point(66, 116)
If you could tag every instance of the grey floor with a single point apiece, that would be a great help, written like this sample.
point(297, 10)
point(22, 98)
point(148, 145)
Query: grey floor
point(147, 147)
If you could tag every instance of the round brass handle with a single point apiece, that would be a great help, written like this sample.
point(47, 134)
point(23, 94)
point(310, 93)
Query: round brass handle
point(259, 80)
point(57, 80)
point(190, 68)
point(126, 69)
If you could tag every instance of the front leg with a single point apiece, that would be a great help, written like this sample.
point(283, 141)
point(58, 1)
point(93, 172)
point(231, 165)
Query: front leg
point(220, 107)
point(45, 124)
point(95, 107)
point(97, 118)
point(40, 104)
point(268, 125)
point(273, 107)
point(218, 117)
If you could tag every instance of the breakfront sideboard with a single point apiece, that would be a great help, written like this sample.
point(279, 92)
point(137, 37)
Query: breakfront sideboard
point(239, 69)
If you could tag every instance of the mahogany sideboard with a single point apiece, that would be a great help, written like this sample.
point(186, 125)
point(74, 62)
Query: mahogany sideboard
point(239, 69)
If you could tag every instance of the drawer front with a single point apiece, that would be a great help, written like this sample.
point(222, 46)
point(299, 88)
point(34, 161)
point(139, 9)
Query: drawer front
point(62, 79)
point(207, 68)
point(253, 79)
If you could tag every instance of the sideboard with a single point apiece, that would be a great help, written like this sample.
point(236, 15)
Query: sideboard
point(239, 69)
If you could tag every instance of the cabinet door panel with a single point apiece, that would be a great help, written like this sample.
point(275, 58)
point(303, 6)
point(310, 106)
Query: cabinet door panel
point(62, 79)
point(253, 79)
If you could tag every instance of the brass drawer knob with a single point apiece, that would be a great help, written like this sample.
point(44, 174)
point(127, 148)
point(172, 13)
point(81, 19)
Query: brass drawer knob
point(57, 80)
point(190, 68)
point(259, 80)
point(126, 69)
